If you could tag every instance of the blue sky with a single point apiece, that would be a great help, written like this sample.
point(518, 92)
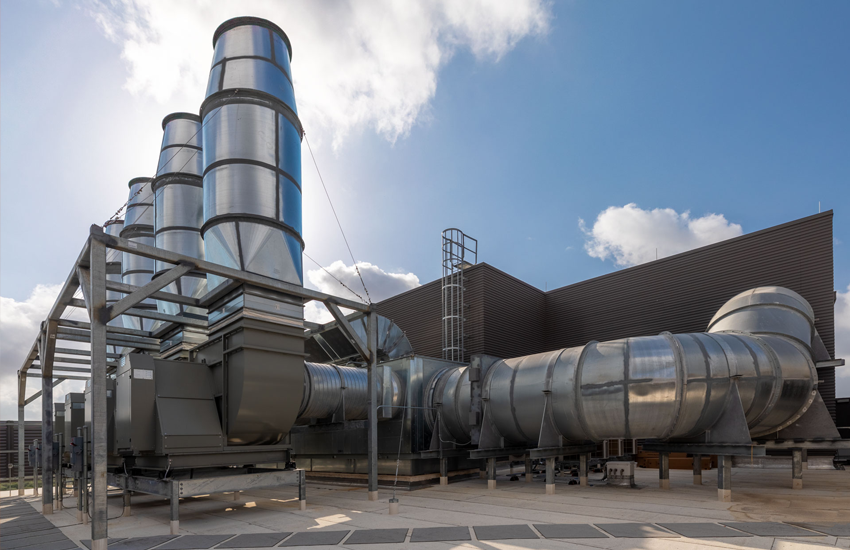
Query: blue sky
point(558, 113)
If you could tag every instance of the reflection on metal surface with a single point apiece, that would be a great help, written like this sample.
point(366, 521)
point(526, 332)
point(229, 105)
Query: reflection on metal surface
point(343, 391)
point(252, 154)
point(660, 387)
point(139, 227)
point(178, 205)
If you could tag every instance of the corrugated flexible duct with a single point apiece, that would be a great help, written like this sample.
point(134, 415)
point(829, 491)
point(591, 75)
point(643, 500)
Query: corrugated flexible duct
point(661, 387)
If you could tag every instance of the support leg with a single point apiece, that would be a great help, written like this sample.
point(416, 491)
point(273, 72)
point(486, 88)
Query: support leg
point(550, 476)
point(583, 459)
point(664, 470)
point(491, 473)
point(444, 471)
point(528, 474)
point(21, 438)
point(697, 469)
point(302, 489)
point(805, 459)
point(127, 510)
point(46, 442)
point(78, 494)
point(796, 468)
point(35, 480)
point(175, 510)
point(482, 469)
point(724, 478)
point(373, 406)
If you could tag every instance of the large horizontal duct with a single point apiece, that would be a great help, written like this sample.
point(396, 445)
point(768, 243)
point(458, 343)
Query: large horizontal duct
point(334, 389)
point(660, 387)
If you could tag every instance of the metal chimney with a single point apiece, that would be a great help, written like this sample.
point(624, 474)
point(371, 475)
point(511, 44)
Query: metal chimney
point(179, 205)
point(252, 153)
point(138, 227)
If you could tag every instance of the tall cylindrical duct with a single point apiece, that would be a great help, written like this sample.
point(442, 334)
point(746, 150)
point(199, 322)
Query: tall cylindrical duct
point(661, 387)
point(138, 227)
point(179, 205)
point(252, 153)
point(113, 267)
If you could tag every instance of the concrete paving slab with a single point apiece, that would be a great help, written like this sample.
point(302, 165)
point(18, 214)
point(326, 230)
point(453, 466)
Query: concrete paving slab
point(315, 538)
point(440, 534)
point(569, 531)
point(377, 536)
point(24, 520)
point(254, 540)
point(703, 530)
point(504, 532)
point(141, 543)
point(32, 541)
point(194, 542)
point(110, 542)
point(833, 529)
point(771, 529)
point(58, 545)
point(634, 530)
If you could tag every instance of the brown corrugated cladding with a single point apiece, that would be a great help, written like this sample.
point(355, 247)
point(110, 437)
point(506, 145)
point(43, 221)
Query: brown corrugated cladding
point(506, 317)
point(681, 293)
point(9, 442)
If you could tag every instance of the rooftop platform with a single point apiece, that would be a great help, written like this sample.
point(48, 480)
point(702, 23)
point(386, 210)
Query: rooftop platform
point(762, 515)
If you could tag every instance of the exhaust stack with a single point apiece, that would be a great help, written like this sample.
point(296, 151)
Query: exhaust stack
point(139, 227)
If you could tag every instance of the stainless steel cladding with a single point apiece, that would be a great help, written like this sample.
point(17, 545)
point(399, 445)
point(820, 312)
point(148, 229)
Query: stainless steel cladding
point(252, 153)
point(113, 270)
point(661, 387)
point(179, 204)
point(332, 389)
point(138, 227)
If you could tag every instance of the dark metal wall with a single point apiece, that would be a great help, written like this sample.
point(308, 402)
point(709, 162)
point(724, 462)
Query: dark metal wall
point(9, 442)
point(509, 318)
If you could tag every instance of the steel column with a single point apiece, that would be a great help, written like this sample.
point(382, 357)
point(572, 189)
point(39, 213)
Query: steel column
point(796, 468)
point(128, 511)
point(550, 475)
point(373, 406)
point(99, 318)
point(302, 489)
point(21, 437)
point(491, 473)
point(724, 478)
point(583, 460)
point(444, 471)
point(697, 469)
point(175, 508)
point(664, 470)
point(528, 474)
point(46, 428)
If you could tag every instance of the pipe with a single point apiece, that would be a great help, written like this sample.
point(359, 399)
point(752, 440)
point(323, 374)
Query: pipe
point(328, 388)
point(661, 387)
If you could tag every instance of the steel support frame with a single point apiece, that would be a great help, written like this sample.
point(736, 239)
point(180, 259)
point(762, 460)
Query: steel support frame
point(89, 274)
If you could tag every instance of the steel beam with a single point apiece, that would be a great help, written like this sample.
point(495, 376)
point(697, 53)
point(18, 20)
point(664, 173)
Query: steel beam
point(36, 395)
point(349, 332)
point(123, 245)
point(144, 292)
point(85, 352)
point(70, 323)
point(160, 295)
point(69, 288)
point(372, 380)
point(66, 369)
point(58, 377)
point(154, 314)
point(99, 318)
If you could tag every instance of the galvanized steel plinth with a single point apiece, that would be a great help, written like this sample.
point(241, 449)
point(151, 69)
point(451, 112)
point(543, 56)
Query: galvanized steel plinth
point(491, 473)
point(697, 469)
point(393, 506)
point(550, 475)
point(664, 470)
point(796, 468)
point(724, 478)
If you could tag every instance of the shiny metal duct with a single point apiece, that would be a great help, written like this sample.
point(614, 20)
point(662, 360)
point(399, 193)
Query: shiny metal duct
point(334, 389)
point(331, 345)
point(252, 153)
point(139, 227)
point(660, 387)
point(179, 205)
point(113, 266)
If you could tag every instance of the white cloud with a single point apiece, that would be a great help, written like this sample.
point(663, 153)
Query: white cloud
point(380, 283)
point(842, 342)
point(19, 325)
point(631, 235)
point(356, 64)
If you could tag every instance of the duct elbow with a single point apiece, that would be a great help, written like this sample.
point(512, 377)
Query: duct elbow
point(767, 311)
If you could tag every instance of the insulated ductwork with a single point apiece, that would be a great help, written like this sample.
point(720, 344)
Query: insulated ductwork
point(138, 227)
point(113, 267)
point(252, 153)
point(343, 391)
point(179, 205)
point(661, 387)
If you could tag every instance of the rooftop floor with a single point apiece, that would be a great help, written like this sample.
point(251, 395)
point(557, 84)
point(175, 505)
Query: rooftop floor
point(758, 496)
